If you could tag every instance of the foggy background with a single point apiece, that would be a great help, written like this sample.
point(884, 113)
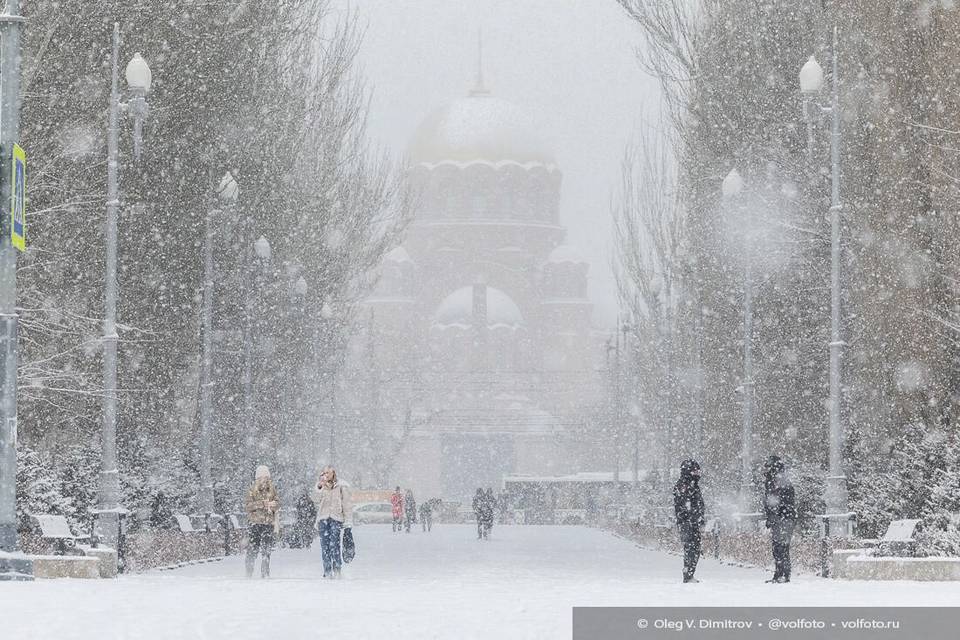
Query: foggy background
point(572, 64)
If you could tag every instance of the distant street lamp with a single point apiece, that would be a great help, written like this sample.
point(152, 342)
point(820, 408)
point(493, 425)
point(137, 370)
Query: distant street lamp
point(139, 78)
point(262, 250)
point(226, 193)
point(731, 188)
point(300, 287)
point(811, 83)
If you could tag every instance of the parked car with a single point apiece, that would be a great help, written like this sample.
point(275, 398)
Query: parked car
point(373, 513)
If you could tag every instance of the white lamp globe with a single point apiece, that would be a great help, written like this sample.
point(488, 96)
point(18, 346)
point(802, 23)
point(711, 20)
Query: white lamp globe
point(262, 247)
point(732, 184)
point(811, 76)
point(229, 190)
point(138, 74)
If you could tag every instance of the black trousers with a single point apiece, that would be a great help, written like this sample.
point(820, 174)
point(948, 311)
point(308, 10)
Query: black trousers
point(260, 541)
point(780, 535)
point(690, 537)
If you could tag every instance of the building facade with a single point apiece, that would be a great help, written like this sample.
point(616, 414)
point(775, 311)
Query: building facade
point(478, 355)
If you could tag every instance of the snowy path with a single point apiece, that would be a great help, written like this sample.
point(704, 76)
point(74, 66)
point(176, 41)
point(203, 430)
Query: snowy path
point(445, 584)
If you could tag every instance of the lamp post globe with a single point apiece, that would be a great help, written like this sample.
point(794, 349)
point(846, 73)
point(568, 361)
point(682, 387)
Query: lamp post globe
point(228, 191)
point(732, 184)
point(811, 76)
point(300, 286)
point(138, 74)
point(262, 247)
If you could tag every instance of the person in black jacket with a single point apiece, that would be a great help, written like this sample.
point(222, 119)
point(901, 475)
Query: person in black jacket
point(304, 529)
point(688, 505)
point(780, 508)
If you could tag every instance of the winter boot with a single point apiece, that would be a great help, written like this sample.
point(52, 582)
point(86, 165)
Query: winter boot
point(249, 564)
point(691, 580)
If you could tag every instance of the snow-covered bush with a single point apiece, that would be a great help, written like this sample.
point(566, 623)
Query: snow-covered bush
point(941, 519)
point(38, 488)
point(920, 479)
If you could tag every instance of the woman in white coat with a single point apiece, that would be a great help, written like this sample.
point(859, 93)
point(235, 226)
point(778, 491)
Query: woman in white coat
point(334, 513)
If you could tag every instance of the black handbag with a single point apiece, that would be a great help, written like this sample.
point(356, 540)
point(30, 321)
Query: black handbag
point(349, 548)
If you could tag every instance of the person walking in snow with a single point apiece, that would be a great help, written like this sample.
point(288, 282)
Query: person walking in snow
point(479, 509)
point(409, 510)
point(689, 509)
point(262, 505)
point(426, 515)
point(334, 513)
point(396, 503)
point(489, 507)
point(780, 508)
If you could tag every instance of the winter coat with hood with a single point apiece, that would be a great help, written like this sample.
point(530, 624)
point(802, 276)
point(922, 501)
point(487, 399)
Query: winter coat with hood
point(779, 503)
point(396, 502)
point(687, 499)
point(333, 501)
point(262, 501)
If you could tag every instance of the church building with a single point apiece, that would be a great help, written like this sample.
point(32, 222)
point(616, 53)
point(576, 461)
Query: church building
point(478, 336)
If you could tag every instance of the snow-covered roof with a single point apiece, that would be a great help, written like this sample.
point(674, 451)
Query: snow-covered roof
point(479, 127)
point(457, 310)
point(566, 253)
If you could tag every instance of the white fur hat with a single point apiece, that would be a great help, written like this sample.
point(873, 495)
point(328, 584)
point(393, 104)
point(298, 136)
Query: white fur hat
point(262, 472)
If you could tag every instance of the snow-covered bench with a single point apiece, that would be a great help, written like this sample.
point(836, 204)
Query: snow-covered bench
point(56, 530)
point(184, 524)
point(899, 540)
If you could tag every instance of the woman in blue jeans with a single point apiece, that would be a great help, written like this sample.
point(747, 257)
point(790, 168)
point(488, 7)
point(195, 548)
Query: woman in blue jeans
point(334, 513)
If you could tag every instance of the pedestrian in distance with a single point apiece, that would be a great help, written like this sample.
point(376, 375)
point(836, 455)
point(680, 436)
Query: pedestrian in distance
point(396, 504)
point(262, 505)
point(426, 515)
point(479, 509)
point(689, 509)
point(409, 510)
point(334, 514)
point(489, 508)
point(780, 508)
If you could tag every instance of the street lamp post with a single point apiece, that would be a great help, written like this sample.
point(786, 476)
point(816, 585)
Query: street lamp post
point(327, 377)
point(731, 189)
point(262, 250)
point(13, 566)
point(139, 78)
point(227, 192)
point(811, 82)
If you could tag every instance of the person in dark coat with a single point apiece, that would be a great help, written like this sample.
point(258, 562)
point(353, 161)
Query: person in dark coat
point(304, 531)
point(489, 507)
point(409, 510)
point(780, 508)
point(426, 514)
point(689, 509)
point(479, 512)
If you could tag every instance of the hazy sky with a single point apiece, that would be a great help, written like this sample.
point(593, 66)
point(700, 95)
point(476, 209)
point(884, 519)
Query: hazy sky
point(572, 62)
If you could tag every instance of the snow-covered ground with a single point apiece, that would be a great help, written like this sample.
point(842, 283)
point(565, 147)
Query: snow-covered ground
point(520, 584)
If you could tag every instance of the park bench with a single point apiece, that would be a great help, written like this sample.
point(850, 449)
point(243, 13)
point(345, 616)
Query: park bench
point(56, 530)
point(899, 540)
point(184, 523)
